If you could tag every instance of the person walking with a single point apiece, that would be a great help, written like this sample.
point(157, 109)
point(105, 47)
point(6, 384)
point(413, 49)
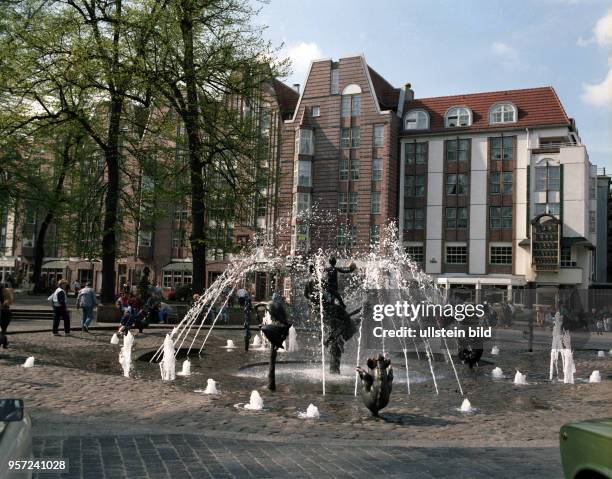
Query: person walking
point(60, 308)
point(87, 301)
point(6, 298)
point(76, 286)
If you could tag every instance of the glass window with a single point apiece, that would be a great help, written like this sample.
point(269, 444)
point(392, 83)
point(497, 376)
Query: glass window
point(344, 169)
point(416, 253)
point(374, 234)
point(500, 217)
point(502, 148)
point(355, 137)
point(352, 196)
point(334, 81)
point(414, 219)
point(355, 105)
point(458, 116)
point(457, 150)
point(500, 255)
point(456, 184)
point(375, 202)
point(409, 184)
point(456, 218)
point(548, 178)
point(456, 254)
point(181, 212)
point(566, 258)
point(379, 135)
point(301, 238)
point(416, 120)
point(415, 153)
point(377, 165)
point(354, 174)
point(304, 173)
point(145, 238)
point(345, 137)
point(419, 186)
point(592, 221)
point(302, 203)
point(409, 219)
point(178, 238)
point(346, 236)
point(503, 113)
point(346, 106)
point(316, 110)
point(342, 202)
point(304, 143)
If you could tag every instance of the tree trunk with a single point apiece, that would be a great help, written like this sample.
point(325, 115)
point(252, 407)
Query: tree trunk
point(111, 203)
point(39, 247)
point(194, 141)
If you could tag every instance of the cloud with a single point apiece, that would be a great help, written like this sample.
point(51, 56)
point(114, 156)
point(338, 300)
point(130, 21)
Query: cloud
point(599, 94)
point(508, 56)
point(603, 30)
point(301, 54)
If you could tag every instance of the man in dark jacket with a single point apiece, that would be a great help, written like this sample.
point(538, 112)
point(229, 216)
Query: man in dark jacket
point(60, 308)
point(5, 313)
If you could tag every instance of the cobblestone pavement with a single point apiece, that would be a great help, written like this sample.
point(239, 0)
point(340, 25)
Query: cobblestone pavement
point(194, 456)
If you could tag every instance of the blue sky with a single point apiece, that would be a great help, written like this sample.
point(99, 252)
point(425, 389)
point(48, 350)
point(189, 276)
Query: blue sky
point(450, 47)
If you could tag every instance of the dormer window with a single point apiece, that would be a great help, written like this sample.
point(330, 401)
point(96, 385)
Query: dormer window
point(416, 120)
point(503, 113)
point(458, 116)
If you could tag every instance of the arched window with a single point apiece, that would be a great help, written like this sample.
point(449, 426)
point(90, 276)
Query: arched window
point(351, 100)
point(503, 113)
point(458, 116)
point(416, 120)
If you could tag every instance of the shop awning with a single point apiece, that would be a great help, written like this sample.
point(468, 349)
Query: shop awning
point(55, 264)
point(178, 267)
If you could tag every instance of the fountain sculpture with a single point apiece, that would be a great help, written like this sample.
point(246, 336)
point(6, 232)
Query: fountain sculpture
point(276, 331)
point(125, 355)
point(376, 385)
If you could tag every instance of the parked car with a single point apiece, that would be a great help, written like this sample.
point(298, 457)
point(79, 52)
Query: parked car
point(586, 449)
point(15, 438)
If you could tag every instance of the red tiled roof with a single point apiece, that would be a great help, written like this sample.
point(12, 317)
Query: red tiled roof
point(287, 98)
point(536, 107)
point(387, 94)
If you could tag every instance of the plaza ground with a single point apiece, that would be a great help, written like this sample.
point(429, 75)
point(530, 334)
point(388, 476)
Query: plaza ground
point(109, 426)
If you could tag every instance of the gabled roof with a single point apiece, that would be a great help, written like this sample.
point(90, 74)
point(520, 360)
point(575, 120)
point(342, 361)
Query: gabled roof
point(386, 93)
point(287, 98)
point(536, 107)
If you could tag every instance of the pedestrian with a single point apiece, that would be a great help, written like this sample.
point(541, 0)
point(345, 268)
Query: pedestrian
point(242, 295)
point(6, 298)
point(76, 287)
point(60, 308)
point(87, 301)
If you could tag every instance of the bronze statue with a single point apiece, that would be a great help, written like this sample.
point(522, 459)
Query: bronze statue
point(276, 332)
point(376, 385)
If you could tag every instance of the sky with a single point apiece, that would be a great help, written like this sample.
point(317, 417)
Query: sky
point(464, 46)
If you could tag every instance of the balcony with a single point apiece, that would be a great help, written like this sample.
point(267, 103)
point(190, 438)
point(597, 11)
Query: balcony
point(552, 147)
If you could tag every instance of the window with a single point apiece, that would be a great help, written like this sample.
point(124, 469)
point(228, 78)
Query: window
point(456, 254)
point(550, 208)
point(503, 113)
point(414, 186)
point(379, 135)
point(456, 184)
point(500, 182)
point(343, 202)
point(500, 254)
point(500, 217)
point(351, 105)
point(457, 150)
point(344, 169)
point(334, 82)
point(416, 120)
point(458, 116)
point(302, 203)
point(592, 221)
point(304, 144)
point(502, 148)
point(414, 219)
point(566, 258)
point(178, 238)
point(346, 236)
point(316, 111)
point(375, 202)
point(548, 178)
point(349, 137)
point(415, 153)
point(374, 234)
point(416, 253)
point(181, 212)
point(593, 189)
point(456, 218)
point(354, 173)
point(377, 169)
point(145, 238)
point(301, 238)
point(304, 173)
point(352, 200)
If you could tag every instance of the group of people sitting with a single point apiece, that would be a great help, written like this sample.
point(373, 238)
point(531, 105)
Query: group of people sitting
point(136, 313)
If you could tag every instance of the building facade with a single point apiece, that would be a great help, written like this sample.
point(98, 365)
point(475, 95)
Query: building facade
point(473, 181)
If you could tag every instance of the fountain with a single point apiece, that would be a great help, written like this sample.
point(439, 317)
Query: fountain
point(125, 355)
point(601, 354)
point(312, 412)
point(114, 339)
point(168, 363)
point(561, 346)
point(595, 377)
point(376, 385)
point(495, 351)
point(466, 406)
point(29, 362)
point(497, 373)
point(211, 387)
point(256, 341)
point(520, 379)
point(291, 345)
point(186, 371)
point(230, 344)
point(255, 402)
